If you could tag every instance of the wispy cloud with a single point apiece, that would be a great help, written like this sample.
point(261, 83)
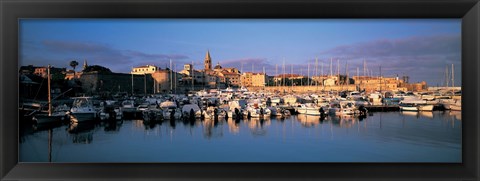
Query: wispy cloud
point(411, 46)
point(412, 56)
point(118, 60)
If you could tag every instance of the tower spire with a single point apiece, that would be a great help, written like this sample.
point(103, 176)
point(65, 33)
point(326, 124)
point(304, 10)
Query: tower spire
point(85, 65)
point(208, 61)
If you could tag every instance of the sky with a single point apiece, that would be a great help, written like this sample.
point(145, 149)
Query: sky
point(419, 48)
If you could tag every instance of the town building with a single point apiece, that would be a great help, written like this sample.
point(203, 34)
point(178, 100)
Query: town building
point(250, 79)
point(70, 74)
point(166, 81)
point(42, 71)
point(147, 69)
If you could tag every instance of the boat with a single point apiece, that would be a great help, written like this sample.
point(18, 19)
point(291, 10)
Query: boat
point(308, 109)
point(170, 110)
point(82, 110)
point(152, 114)
point(408, 107)
point(425, 107)
point(457, 106)
point(60, 112)
point(187, 111)
point(375, 98)
point(128, 106)
point(342, 108)
point(289, 99)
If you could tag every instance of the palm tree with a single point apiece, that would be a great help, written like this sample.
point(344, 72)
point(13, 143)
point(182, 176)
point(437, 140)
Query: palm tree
point(73, 64)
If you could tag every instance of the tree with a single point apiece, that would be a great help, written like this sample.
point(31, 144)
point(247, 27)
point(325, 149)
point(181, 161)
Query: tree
point(73, 64)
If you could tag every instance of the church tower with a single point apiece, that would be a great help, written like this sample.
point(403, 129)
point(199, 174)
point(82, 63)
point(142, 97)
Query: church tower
point(208, 61)
point(85, 65)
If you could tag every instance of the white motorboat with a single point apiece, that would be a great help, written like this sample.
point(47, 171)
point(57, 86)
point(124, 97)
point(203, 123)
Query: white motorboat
point(128, 106)
point(425, 107)
point(457, 106)
point(408, 107)
point(308, 109)
point(188, 108)
point(375, 98)
point(343, 108)
point(82, 110)
point(290, 99)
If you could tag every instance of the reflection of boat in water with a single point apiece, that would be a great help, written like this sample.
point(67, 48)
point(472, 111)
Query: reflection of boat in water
point(82, 132)
point(257, 126)
point(308, 120)
point(233, 125)
point(427, 114)
point(76, 127)
point(46, 126)
point(409, 113)
point(456, 114)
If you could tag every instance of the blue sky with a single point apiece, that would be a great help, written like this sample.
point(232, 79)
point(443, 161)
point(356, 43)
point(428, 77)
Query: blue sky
point(419, 48)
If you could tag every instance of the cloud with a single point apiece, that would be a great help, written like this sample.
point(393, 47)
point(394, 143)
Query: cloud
point(157, 57)
point(85, 47)
point(421, 58)
point(59, 53)
point(258, 64)
point(411, 46)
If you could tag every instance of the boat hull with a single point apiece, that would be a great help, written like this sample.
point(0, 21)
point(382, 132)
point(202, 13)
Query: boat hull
point(312, 112)
point(82, 117)
point(404, 108)
point(41, 119)
point(425, 108)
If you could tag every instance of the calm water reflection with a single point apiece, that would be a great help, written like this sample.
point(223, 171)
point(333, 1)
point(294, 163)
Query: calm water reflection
point(381, 137)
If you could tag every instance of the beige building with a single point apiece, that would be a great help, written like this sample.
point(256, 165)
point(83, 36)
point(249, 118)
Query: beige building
point(166, 81)
point(250, 79)
point(71, 73)
point(147, 69)
point(386, 83)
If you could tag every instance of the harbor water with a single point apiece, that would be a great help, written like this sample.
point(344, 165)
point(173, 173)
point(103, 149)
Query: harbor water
point(379, 137)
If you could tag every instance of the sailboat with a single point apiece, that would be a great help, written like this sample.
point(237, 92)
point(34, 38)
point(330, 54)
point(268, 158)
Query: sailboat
point(52, 116)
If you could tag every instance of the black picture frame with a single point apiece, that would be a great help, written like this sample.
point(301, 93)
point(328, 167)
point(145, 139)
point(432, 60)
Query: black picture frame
point(11, 11)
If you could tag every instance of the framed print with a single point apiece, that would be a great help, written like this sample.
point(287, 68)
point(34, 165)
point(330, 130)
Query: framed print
point(239, 90)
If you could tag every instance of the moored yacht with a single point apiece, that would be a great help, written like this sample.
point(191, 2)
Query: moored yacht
point(82, 110)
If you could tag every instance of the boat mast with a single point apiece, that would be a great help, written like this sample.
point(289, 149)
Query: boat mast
point(49, 92)
point(301, 73)
point(171, 77)
point(316, 71)
point(331, 61)
point(453, 83)
point(132, 82)
point(308, 74)
point(346, 73)
point(364, 67)
point(380, 77)
point(276, 74)
point(193, 79)
point(291, 75)
point(446, 76)
point(175, 78)
point(338, 71)
point(283, 76)
point(241, 71)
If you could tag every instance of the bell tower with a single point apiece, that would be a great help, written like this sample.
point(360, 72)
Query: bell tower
point(208, 61)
